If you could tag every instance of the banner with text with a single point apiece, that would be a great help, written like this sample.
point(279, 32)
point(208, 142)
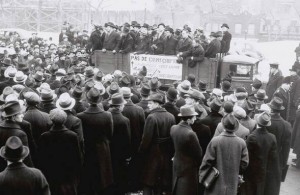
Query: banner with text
point(163, 67)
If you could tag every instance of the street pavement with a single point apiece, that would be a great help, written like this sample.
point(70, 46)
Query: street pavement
point(291, 186)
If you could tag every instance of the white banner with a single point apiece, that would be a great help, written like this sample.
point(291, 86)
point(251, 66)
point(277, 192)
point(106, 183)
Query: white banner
point(163, 67)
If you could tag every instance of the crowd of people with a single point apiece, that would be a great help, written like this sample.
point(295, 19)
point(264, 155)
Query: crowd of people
point(68, 128)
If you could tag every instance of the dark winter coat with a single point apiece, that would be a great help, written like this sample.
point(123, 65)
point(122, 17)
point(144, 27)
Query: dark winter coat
point(225, 43)
point(60, 159)
point(126, 44)
point(157, 147)
point(241, 132)
point(262, 176)
point(296, 134)
point(7, 129)
point(96, 40)
point(203, 133)
point(273, 84)
point(282, 131)
point(229, 155)
point(170, 44)
point(286, 98)
point(120, 148)
point(97, 126)
point(17, 178)
point(295, 97)
point(212, 120)
point(40, 122)
point(170, 107)
point(187, 159)
point(143, 46)
point(184, 45)
point(213, 48)
point(47, 107)
point(111, 41)
point(194, 55)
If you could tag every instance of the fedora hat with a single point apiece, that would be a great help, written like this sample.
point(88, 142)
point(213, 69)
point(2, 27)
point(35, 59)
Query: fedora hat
point(31, 97)
point(89, 72)
point(184, 86)
point(126, 91)
point(195, 94)
point(225, 25)
point(156, 97)
point(256, 83)
point(100, 87)
point(276, 104)
point(20, 77)
point(239, 112)
point(172, 94)
point(263, 119)
point(98, 76)
point(274, 65)
point(230, 123)
point(7, 62)
point(11, 108)
point(215, 105)
point(117, 100)
point(65, 102)
point(125, 81)
point(261, 95)
point(10, 72)
point(294, 68)
point(187, 110)
point(6, 91)
point(43, 86)
point(38, 76)
point(14, 149)
point(60, 72)
point(145, 90)
point(47, 95)
point(154, 83)
point(77, 93)
point(202, 85)
point(109, 24)
point(93, 96)
point(113, 88)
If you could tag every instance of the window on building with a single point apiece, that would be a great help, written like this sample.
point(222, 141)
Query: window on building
point(238, 29)
point(251, 29)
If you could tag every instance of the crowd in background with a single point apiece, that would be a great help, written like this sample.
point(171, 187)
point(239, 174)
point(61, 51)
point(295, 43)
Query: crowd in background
point(87, 132)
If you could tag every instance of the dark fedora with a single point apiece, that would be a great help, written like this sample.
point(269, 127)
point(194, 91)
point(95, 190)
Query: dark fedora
point(38, 76)
point(11, 108)
point(225, 25)
point(88, 85)
point(77, 93)
point(169, 29)
point(230, 123)
point(113, 88)
point(226, 85)
point(261, 95)
point(202, 85)
point(98, 76)
point(276, 104)
point(172, 94)
point(145, 90)
point(7, 62)
point(217, 34)
point(156, 97)
point(263, 119)
point(154, 83)
point(145, 25)
point(274, 65)
point(14, 149)
point(125, 81)
point(110, 24)
point(294, 68)
point(215, 105)
point(256, 83)
point(117, 99)
point(93, 96)
point(187, 110)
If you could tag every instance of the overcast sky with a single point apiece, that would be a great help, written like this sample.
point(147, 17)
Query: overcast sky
point(125, 4)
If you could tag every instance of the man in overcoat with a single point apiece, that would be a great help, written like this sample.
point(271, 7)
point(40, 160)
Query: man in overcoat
point(112, 38)
point(282, 131)
point(229, 155)
point(214, 47)
point(226, 39)
point(296, 139)
point(97, 126)
point(262, 176)
point(170, 43)
point(188, 154)
point(157, 148)
point(126, 42)
point(17, 178)
point(12, 114)
point(184, 43)
point(295, 93)
point(275, 80)
point(120, 143)
point(136, 116)
point(60, 156)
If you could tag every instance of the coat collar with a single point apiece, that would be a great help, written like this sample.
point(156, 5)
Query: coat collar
point(158, 110)
point(276, 117)
point(184, 124)
point(129, 103)
point(58, 128)
point(226, 134)
point(93, 109)
point(16, 165)
point(10, 124)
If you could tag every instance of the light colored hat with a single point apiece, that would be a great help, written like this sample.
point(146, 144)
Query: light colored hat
point(265, 108)
point(65, 102)
point(184, 86)
point(239, 112)
point(20, 77)
point(217, 92)
point(100, 87)
point(126, 91)
point(10, 72)
point(45, 86)
point(187, 110)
